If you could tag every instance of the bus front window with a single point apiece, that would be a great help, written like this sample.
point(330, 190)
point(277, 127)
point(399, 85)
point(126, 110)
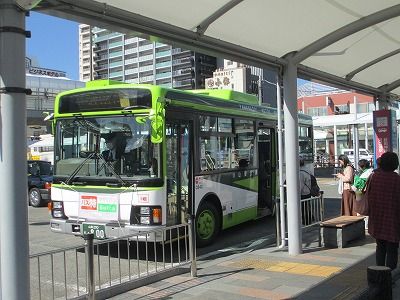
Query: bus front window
point(105, 146)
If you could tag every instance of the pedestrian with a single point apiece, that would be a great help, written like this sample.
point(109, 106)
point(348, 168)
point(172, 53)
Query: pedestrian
point(346, 177)
point(359, 185)
point(383, 191)
point(305, 193)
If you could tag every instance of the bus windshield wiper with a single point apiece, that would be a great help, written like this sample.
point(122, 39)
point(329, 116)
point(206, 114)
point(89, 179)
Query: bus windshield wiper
point(106, 164)
point(109, 167)
point(73, 175)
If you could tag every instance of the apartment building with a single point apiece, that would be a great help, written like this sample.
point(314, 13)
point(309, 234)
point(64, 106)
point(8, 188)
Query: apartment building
point(133, 59)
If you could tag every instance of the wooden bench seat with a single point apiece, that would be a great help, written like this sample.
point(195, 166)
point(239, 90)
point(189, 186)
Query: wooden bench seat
point(337, 232)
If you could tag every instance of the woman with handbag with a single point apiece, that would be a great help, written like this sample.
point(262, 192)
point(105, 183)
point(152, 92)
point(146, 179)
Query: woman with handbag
point(346, 177)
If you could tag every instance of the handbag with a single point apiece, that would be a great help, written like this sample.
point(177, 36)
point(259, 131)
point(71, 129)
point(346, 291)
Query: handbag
point(340, 186)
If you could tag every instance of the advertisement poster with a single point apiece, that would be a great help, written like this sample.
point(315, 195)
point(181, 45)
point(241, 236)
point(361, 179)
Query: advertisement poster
point(384, 132)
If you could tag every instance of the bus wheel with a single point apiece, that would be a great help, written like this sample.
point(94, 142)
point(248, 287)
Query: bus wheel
point(35, 199)
point(208, 223)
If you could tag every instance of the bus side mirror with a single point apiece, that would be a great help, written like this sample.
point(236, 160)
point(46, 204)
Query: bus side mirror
point(157, 126)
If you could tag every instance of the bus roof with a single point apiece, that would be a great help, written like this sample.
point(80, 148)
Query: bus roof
point(224, 101)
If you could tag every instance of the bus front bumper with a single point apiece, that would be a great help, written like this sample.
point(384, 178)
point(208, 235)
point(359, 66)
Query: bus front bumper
point(114, 230)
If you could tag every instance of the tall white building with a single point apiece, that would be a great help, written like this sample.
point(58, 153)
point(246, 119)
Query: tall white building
point(132, 59)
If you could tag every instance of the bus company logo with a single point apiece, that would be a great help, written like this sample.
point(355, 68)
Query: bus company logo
point(89, 202)
point(143, 198)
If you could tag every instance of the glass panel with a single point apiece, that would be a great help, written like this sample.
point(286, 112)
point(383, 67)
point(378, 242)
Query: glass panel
point(208, 152)
point(224, 125)
point(208, 123)
point(244, 143)
point(117, 143)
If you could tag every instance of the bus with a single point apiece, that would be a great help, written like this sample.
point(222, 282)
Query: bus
point(210, 154)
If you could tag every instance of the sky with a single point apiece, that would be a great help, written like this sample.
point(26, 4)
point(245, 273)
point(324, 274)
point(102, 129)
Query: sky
point(54, 43)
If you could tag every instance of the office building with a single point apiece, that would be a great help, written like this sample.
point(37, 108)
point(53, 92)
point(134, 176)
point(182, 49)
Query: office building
point(133, 59)
point(45, 85)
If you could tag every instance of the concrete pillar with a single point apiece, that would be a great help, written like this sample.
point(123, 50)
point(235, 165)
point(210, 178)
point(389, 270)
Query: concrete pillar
point(292, 157)
point(14, 244)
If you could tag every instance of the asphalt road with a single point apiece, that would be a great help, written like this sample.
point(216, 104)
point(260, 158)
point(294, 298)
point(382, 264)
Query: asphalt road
point(66, 270)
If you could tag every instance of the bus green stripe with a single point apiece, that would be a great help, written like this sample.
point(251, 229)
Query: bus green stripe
point(238, 217)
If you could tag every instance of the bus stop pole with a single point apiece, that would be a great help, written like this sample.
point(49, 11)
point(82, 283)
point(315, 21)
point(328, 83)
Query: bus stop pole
point(14, 244)
point(292, 157)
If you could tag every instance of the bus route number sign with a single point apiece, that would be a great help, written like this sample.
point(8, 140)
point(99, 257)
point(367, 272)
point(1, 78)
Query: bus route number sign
point(99, 231)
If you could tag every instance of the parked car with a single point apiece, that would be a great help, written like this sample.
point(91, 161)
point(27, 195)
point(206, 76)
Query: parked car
point(362, 154)
point(40, 177)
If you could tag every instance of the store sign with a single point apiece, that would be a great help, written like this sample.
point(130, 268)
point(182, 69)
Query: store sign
point(41, 71)
point(384, 132)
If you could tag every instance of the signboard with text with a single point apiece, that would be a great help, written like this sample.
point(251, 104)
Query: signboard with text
point(384, 132)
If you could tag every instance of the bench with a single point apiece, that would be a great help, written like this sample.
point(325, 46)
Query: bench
point(337, 232)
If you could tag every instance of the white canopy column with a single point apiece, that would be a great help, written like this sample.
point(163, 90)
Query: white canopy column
point(292, 157)
point(14, 243)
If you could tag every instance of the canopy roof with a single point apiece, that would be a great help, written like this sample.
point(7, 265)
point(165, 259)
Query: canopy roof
point(350, 43)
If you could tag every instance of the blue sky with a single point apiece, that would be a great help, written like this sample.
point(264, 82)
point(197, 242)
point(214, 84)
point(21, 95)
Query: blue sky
point(54, 43)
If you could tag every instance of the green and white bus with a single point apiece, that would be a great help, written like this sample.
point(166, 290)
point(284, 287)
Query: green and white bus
point(207, 153)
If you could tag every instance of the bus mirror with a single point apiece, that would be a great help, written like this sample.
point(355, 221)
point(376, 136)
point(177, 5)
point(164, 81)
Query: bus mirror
point(141, 119)
point(156, 127)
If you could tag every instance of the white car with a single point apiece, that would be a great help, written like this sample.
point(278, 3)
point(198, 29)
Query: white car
point(362, 154)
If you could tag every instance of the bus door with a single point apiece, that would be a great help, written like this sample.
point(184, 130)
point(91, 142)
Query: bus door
point(266, 167)
point(178, 179)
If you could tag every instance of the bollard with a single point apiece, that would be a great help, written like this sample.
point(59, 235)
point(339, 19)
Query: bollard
point(379, 283)
point(89, 252)
point(192, 246)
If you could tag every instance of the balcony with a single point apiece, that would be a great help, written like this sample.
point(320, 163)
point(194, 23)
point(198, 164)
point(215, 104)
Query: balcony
point(116, 64)
point(130, 51)
point(115, 44)
point(131, 71)
point(163, 53)
point(146, 68)
point(106, 37)
point(115, 74)
point(101, 67)
point(115, 54)
point(146, 57)
point(181, 83)
point(180, 61)
point(163, 75)
point(131, 61)
point(146, 47)
point(165, 64)
point(146, 79)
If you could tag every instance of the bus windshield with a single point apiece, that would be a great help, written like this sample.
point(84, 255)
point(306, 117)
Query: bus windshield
point(105, 147)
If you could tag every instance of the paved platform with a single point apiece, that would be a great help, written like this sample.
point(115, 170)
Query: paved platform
point(261, 271)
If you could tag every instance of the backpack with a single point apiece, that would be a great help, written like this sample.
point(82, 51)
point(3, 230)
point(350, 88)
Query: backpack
point(314, 189)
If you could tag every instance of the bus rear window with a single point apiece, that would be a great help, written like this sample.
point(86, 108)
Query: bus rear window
point(102, 100)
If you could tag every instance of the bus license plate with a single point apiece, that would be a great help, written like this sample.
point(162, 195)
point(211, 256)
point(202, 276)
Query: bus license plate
point(99, 231)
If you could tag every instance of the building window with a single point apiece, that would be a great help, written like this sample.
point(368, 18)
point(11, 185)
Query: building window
point(317, 111)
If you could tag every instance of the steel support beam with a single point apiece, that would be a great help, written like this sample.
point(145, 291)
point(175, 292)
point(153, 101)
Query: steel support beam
point(292, 157)
point(202, 27)
point(345, 31)
point(14, 244)
point(371, 63)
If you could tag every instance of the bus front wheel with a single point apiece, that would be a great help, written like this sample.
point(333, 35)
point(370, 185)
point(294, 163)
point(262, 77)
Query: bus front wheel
point(208, 224)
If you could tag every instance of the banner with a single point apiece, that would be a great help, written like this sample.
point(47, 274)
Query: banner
point(385, 132)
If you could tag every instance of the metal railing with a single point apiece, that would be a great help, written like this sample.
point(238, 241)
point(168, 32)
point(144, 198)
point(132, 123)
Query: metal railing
point(80, 272)
point(312, 213)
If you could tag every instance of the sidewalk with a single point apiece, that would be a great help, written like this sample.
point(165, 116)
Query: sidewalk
point(261, 271)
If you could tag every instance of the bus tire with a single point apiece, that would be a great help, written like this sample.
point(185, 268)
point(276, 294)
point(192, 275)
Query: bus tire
point(208, 224)
point(35, 198)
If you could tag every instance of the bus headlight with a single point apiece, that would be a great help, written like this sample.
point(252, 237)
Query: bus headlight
point(146, 215)
point(57, 210)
